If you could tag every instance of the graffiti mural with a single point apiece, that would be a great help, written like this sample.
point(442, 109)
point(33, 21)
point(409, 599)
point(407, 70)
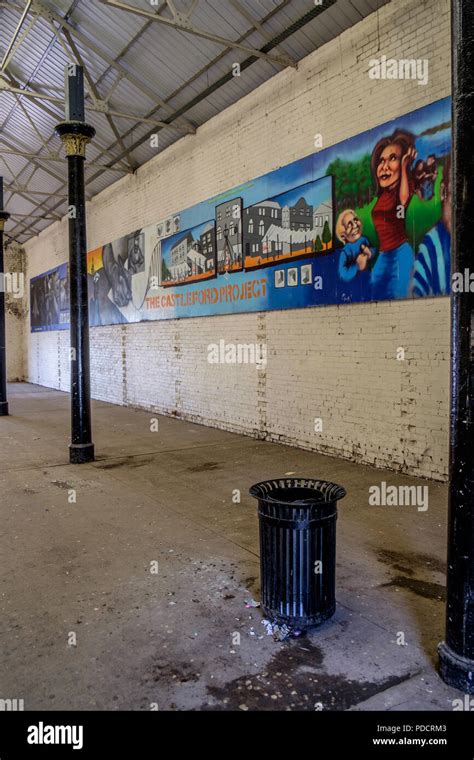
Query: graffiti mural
point(49, 300)
point(367, 219)
point(229, 236)
point(291, 225)
point(189, 256)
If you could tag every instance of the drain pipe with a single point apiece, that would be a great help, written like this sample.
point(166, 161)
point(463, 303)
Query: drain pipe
point(456, 653)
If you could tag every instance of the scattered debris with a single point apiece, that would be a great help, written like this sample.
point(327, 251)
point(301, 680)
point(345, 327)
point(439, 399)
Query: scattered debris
point(61, 484)
point(281, 632)
point(251, 603)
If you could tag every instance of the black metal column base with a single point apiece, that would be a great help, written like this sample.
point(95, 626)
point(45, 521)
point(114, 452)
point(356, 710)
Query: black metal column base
point(455, 670)
point(3, 408)
point(81, 453)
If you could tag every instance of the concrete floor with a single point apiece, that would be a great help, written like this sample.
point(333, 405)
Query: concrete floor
point(168, 639)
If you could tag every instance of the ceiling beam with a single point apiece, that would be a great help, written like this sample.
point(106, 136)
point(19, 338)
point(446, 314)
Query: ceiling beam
point(176, 113)
point(35, 129)
point(255, 23)
point(182, 23)
point(132, 41)
point(96, 97)
point(90, 45)
point(55, 217)
point(298, 24)
point(57, 157)
point(33, 162)
point(12, 82)
point(25, 189)
point(99, 106)
point(14, 37)
point(201, 71)
point(38, 205)
point(192, 8)
point(219, 83)
point(9, 82)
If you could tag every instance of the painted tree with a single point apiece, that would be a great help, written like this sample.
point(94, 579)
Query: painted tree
point(165, 272)
point(327, 237)
point(318, 246)
point(353, 180)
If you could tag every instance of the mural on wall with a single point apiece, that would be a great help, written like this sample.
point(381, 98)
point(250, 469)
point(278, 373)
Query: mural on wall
point(366, 219)
point(49, 300)
point(229, 236)
point(189, 256)
point(120, 273)
point(291, 225)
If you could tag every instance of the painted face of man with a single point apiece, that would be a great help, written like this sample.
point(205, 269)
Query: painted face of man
point(389, 166)
point(352, 227)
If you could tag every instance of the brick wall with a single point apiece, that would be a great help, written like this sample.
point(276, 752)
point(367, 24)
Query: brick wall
point(334, 363)
point(16, 309)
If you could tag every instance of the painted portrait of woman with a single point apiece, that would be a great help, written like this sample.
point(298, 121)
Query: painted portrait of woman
point(391, 165)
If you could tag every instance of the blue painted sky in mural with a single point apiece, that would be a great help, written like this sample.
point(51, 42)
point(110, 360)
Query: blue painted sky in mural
point(315, 165)
point(196, 232)
point(313, 192)
point(284, 283)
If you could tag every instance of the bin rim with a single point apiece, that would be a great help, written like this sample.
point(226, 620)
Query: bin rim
point(330, 491)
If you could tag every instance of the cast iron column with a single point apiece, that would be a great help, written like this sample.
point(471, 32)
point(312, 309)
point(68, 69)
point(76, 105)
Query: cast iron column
point(75, 134)
point(456, 653)
point(3, 357)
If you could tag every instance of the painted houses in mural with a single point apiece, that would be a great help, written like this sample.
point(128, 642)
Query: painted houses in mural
point(229, 236)
point(191, 256)
point(369, 219)
point(279, 229)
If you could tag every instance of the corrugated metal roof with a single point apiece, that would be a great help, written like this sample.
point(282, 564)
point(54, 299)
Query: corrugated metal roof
point(141, 69)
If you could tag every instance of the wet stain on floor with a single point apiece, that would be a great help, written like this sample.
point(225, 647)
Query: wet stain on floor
point(250, 581)
point(131, 462)
point(407, 562)
point(172, 673)
point(205, 467)
point(434, 591)
point(293, 680)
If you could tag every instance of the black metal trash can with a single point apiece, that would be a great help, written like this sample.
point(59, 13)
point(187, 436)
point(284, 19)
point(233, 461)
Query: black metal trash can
point(297, 518)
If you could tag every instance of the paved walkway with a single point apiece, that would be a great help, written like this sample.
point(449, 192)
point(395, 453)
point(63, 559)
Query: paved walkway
point(182, 638)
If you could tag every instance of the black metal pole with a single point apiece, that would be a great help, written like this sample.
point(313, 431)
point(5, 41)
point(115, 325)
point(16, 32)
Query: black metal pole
point(456, 653)
point(3, 356)
point(75, 134)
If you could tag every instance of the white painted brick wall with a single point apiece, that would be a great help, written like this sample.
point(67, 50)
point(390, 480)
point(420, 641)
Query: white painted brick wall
point(15, 309)
point(337, 363)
